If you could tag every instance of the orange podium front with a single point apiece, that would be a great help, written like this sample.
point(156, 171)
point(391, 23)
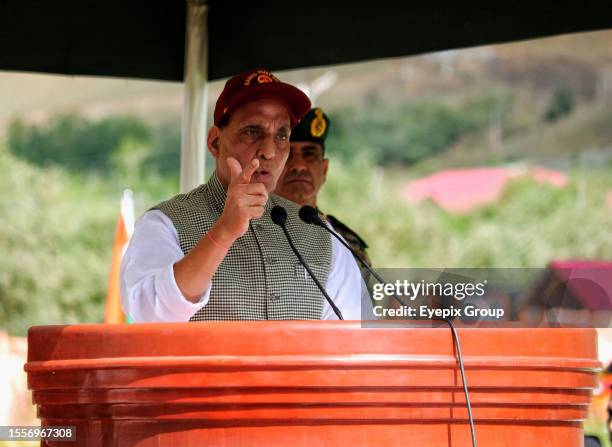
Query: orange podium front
point(305, 383)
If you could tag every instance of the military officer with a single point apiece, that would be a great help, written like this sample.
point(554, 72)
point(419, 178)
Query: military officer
point(305, 173)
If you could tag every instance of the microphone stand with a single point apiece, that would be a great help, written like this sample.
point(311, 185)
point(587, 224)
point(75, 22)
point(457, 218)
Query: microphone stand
point(310, 216)
point(279, 217)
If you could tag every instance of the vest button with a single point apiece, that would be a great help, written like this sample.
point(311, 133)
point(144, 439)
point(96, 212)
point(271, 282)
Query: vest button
point(271, 260)
point(274, 297)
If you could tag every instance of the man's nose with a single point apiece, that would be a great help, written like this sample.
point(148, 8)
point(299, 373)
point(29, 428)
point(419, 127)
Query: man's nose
point(296, 163)
point(267, 149)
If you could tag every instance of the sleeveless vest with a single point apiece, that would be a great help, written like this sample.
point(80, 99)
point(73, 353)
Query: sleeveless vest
point(260, 277)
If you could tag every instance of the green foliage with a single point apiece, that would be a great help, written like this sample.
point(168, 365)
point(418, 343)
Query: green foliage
point(123, 147)
point(56, 235)
point(60, 210)
point(164, 155)
point(75, 142)
point(426, 128)
point(58, 221)
point(529, 226)
point(561, 104)
point(476, 113)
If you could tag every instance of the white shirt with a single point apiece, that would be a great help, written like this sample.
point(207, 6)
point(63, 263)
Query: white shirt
point(149, 291)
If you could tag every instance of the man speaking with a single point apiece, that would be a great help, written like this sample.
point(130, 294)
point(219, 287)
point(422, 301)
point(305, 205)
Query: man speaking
point(214, 253)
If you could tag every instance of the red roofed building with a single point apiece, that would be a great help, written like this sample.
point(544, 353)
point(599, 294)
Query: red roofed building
point(462, 190)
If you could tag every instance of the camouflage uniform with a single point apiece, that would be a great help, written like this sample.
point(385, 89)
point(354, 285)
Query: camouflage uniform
point(358, 245)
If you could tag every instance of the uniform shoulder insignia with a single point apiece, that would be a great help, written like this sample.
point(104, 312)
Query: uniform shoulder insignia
point(337, 224)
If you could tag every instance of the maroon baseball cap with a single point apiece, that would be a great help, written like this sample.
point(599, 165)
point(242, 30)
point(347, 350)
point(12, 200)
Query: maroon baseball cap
point(260, 84)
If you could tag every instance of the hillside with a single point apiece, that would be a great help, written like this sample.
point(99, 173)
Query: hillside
point(535, 65)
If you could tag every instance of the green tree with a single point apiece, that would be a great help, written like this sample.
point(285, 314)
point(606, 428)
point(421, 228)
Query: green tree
point(74, 142)
point(56, 236)
point(561, 104)
point(408, 132)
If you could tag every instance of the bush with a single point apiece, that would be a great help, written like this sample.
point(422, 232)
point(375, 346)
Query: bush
point(56, 234)
point(530, 225)
point(164, 156)
point(425, 128)
point(74, 142)
point(561, 104)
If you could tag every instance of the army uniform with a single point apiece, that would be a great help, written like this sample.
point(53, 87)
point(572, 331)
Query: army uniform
point(314, 127)
point(354, 241)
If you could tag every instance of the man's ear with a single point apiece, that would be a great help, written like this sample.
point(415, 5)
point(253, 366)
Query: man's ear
point(213, 141)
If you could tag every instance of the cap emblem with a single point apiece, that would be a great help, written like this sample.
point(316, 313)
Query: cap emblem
point(318, 124)
point(260, 77)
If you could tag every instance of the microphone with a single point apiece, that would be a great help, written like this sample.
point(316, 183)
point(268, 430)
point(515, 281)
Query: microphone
point(310, 216)
point(279, 217)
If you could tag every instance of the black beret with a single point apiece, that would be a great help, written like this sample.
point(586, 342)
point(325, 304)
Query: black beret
point(314, 126)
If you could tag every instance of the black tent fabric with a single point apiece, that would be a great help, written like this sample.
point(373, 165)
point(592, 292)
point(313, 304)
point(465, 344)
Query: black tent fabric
point(145, 39)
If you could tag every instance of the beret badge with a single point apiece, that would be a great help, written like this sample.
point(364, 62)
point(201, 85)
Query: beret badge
point(318, 124)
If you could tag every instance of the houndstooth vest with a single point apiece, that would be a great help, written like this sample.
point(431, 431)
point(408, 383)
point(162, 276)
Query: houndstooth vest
point(260, 277)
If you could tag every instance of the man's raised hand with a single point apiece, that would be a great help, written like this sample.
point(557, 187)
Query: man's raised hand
point(245, 200)
point(239, 175)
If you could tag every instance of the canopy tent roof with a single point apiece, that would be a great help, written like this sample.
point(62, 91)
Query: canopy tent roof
point(145, 39)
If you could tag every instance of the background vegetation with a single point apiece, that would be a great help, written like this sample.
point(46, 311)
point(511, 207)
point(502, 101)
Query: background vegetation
point(63, 174)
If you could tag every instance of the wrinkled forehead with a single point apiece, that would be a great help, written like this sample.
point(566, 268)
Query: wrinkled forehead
point(262, 110)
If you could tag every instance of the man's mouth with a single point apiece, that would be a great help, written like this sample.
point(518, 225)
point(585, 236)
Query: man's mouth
point(261, 175)
point(299, 179)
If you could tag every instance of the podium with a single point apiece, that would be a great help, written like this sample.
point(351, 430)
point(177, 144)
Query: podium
point(319, 383)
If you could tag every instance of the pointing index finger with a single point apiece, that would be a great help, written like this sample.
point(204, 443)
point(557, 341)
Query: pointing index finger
point(247, 172)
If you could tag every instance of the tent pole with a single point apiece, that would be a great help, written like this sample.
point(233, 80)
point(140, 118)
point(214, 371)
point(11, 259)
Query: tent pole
point(193, 138)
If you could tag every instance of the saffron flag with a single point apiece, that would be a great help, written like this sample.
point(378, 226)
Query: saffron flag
point(125, 226)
